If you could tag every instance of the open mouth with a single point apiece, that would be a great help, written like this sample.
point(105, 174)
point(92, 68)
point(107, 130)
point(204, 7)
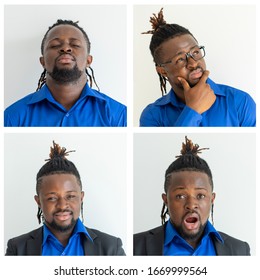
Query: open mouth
point(191, 222)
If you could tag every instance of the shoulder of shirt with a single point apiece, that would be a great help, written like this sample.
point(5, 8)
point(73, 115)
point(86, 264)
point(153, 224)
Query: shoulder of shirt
point(32, 234)
point(21, 102)
point(94, 233)
point(99, 95)
point(227, 237)
point(152, 231)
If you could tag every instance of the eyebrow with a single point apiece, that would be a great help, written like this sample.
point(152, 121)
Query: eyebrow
point(182, 52)
point(57, 193)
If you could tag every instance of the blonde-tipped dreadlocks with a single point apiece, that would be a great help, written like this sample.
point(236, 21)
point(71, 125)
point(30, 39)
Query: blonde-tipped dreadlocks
point(188, 160)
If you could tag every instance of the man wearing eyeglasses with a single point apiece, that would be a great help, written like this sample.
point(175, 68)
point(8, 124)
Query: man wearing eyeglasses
point(194, 99)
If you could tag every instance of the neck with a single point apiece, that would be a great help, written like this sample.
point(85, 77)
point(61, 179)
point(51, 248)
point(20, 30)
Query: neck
point(66, 94)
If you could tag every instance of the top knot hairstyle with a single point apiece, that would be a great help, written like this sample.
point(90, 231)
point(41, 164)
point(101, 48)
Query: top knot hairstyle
point(57, 164)
point(161, 32)
point(91, 76)
point(188, 160)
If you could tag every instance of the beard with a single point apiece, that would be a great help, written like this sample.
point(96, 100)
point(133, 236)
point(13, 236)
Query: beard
point(190, 236)
point(66, 76)
point(55, 226)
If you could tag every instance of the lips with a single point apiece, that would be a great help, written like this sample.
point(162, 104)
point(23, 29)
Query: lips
point(191, 221)
point(65, 58)
point(63, 216)
point(196, 74)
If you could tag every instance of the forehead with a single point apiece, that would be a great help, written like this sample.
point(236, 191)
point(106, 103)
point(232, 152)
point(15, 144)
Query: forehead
point(182, 43)
point(65, 31)
point(59, 183)
point(189, 180)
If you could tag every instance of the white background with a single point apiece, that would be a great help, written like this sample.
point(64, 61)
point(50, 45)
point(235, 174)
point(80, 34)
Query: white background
point(25, 27)
point(226, 31)
point(218, 267)
point(231, 158)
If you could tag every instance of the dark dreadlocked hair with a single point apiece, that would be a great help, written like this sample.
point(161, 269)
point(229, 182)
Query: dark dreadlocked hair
point(161, 32)
point(56, 164)
point(91, 76)
point(187, 161)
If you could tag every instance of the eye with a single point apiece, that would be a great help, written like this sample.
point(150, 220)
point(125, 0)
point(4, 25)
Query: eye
point(71, 197)
point(52, 198)
point(180, 196)
point(201, 196)
point(180, 60)
point(54, 46)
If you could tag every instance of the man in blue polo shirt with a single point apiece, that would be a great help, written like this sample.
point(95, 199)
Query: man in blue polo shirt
point(63, 96)
point(59, 197)
point(194, 99)
point(188, 200)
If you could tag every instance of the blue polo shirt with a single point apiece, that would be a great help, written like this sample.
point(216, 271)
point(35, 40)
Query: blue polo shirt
point(93, 108)
point(232, 107)
point(175, 245)
point(51, 246)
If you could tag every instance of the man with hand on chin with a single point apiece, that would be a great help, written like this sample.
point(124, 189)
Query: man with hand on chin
point(194, 99)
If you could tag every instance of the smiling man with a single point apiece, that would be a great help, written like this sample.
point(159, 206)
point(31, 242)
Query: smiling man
point(188, 200)
point(60, 201)
point(63, 96)
point(194, 99)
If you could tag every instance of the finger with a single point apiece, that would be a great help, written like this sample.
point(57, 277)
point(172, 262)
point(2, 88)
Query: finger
point(184, 84)
point(204, 77)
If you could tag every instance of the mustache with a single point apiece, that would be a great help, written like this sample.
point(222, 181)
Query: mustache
point(62, 212)
point(63, 54)
point(189, 213)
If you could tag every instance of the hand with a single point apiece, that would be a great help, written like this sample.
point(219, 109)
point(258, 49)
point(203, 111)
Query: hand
point(200, 97)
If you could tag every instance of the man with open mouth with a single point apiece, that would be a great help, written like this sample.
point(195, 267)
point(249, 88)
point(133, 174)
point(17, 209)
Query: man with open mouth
point(188, 199)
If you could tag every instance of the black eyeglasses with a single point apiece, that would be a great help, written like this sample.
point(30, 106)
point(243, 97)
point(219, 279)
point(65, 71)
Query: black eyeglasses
point(179, 61)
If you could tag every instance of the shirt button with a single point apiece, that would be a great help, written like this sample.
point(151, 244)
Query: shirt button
point(67, 115)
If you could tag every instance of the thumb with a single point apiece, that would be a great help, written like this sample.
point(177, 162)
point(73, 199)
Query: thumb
point(184, 83)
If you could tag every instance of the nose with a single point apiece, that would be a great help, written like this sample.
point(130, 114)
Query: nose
point(191, 62)
point(65, 48)
point(62, 203)
point(191, 203)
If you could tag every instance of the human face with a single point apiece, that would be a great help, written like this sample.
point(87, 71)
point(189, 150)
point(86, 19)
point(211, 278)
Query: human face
point(189, 199)
point(60, 198)
point(65, 49)
point(170, 50)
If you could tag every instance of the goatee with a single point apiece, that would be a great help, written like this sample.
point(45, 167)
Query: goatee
point(66, 76)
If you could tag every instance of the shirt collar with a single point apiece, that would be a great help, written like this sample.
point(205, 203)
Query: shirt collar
point(44, 93)
point(172, 98)
point(171, 233)
point(79, 228)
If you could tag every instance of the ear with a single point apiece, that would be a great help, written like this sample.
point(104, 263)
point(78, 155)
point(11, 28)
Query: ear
point(164, 198)
point(213, 197)
point(161, 70)
point(37, 199)
point(82, 196)
point(89, 60)
point(42, 61)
